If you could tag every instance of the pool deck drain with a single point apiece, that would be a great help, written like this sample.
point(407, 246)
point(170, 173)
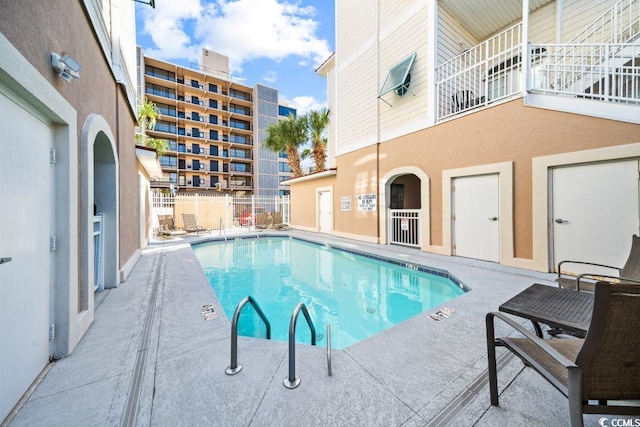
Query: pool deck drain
point(417, 373)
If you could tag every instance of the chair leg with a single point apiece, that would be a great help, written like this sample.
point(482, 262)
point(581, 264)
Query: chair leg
point(491, 357)
point(575, 398)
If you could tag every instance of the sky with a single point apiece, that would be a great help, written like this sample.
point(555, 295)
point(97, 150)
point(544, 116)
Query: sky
point(277, 43)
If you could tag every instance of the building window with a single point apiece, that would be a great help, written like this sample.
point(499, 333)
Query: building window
point(286, 111)
point(240, 95)
point(162, 74)
point(284, 167)
point(239, 124)
point(160, 91)
point(239, 167)
point(169, 161)
point(164, 127)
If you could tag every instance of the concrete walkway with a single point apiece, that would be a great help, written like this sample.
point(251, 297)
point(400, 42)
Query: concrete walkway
point(150, 359)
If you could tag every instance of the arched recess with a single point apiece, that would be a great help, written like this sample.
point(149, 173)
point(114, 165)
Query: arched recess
point(99, 166)
point(424, 203)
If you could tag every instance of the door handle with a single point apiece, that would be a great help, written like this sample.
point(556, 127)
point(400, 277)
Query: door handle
point(5, 260)
point(561, 221)
point(493, 218)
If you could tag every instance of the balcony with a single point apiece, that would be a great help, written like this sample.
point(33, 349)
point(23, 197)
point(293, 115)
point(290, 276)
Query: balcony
point(601, 63)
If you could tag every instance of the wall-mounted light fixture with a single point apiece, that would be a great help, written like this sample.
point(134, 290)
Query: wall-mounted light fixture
point(151, 3)
point(66, 66)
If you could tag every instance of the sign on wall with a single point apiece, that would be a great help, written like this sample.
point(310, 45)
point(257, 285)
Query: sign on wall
point(367, 202)
point(345, 203)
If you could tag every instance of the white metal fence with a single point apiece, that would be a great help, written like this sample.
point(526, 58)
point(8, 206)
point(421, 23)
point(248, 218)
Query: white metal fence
point(404, 227)
point(218, 212)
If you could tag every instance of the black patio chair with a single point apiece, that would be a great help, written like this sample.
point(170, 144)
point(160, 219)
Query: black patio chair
point(586, 281)
point(598, 374)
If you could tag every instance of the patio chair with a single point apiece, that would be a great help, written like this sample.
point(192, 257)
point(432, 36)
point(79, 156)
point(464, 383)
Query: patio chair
point(277, 221)
point(167, 227)
point(598, 374)
point(631, 270)
point(262, 220)
point(190, 224)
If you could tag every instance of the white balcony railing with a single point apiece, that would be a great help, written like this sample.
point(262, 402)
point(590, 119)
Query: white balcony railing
point(620, 24)
point(604, 71)
point(484, 74)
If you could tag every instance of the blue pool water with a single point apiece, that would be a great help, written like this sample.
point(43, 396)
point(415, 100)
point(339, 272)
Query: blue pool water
point(357, 295)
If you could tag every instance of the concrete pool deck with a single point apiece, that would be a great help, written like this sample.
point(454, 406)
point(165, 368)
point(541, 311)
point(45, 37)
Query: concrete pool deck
point(151, 359)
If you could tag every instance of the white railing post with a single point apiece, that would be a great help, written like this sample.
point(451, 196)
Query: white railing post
point(526, 50)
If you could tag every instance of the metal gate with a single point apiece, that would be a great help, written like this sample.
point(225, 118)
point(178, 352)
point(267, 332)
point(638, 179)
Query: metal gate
point(404, 227)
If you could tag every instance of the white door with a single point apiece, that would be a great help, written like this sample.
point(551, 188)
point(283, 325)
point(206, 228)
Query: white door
point(325, 211)
point(476, 231)
point(25, 218)
point(594, 213)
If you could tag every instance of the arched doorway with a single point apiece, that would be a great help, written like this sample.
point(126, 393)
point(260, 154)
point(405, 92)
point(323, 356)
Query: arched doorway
point(100, 218)
point(405, 217)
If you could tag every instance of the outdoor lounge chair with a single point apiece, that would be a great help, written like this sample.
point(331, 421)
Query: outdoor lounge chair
point(190, 224)
point(167, 227)
point(631, 270)
point(598, 374)
point(277, 221)
point(262, 220)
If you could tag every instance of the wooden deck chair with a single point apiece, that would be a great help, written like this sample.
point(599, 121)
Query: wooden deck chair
point(190, 224)
point(598, 374)
point(586, 281)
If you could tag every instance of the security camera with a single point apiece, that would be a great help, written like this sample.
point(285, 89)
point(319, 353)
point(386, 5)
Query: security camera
point(66, 66)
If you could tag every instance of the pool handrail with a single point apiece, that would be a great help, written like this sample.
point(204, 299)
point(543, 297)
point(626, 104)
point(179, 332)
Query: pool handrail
point(329, 349)
point(291, 381)
point(234, 368)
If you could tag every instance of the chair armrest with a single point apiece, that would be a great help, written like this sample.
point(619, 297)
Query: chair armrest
point(583, 263)
point(537, 341)
point(598, 276)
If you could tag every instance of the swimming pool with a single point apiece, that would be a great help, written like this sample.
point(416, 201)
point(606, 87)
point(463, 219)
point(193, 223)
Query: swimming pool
point(357, 295)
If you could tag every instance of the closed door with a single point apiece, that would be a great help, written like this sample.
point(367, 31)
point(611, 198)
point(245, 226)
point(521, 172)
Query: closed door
point(25, 227)
point(594, 214)
point(325, 211)
point(476, 231)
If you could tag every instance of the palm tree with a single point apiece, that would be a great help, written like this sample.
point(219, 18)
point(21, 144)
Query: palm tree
point(318, 122)
point(147, 117)
point(287, 135)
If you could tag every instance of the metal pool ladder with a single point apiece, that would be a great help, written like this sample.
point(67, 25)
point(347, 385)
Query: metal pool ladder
point(291, 381)
point(234, 368)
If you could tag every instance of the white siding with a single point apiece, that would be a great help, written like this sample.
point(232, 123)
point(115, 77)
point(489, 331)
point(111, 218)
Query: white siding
point(578, 14)
point(542, 24)
point(450, 34)
point(403, 32)
point(356, 75)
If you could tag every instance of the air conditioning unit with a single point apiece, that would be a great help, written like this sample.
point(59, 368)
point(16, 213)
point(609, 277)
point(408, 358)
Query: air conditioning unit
point(202, 119)
point(202, 149)
point(201, 166)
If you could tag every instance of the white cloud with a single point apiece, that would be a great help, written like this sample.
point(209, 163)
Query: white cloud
point(303, 104)
point(166, 26)
point(241, 29)
point(270, 76)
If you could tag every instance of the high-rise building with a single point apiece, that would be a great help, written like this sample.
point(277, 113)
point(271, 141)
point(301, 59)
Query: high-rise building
point(214, 126)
